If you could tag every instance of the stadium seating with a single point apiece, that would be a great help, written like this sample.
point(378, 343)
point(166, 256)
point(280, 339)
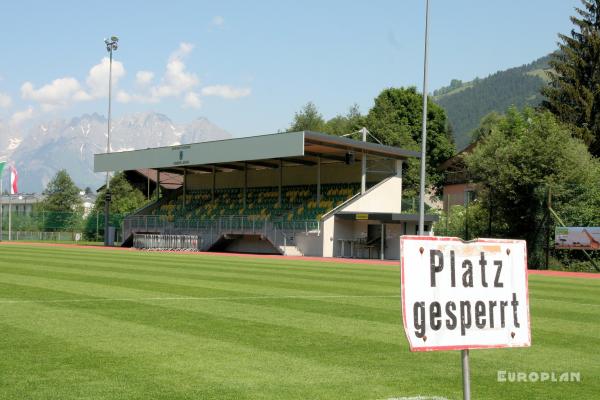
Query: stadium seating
point(299, 203)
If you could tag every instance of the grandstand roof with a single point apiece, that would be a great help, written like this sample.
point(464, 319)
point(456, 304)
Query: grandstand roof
point(255, 152)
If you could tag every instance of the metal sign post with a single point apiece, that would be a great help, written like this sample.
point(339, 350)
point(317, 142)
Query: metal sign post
point(466, 374)
point(424, 129)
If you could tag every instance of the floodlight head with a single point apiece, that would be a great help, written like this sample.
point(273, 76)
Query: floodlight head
point(111, 44)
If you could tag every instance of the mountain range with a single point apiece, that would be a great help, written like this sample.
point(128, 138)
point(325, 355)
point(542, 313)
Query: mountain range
point(45, 148)
point(466, 103)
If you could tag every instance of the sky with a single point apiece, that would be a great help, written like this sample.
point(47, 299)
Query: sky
point(248, 66)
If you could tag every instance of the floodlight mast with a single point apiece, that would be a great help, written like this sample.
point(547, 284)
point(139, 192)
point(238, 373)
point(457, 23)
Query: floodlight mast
point(424, 128)
point(111, 45)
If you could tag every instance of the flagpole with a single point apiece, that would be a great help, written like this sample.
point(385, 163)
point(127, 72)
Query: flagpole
point(9, 215)
point(424, 129)
point(13, 183)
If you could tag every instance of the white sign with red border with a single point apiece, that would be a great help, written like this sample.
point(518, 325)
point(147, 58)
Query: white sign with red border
point(464, 295)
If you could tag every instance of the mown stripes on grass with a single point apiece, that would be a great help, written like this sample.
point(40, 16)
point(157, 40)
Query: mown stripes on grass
point(86, 323)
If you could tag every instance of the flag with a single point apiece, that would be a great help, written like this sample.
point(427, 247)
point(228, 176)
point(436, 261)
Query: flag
point(14, 179)
point(2, 164)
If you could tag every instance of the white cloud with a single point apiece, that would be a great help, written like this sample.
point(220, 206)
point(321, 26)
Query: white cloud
point(82, 95)
point(21, 116)
point(59, 93)
point(123, 97)
point(182, 51)
point(177, 79)
point(5, 100)
point(192, 100)
point(217, 21)
point(175, 82)
point(13, 143)
point(143, 78)
point(97, 78)
point(62, 92)
point(226, 91)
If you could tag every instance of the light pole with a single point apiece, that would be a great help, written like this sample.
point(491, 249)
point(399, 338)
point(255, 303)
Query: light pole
point(424, 127)
point(111, 45)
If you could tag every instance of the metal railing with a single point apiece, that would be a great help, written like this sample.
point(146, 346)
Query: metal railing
point(167, 242)
point(410, 205)
point(279, 233)
point(455, 177)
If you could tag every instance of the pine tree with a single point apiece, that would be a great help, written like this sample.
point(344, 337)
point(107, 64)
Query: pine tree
point(573, 94)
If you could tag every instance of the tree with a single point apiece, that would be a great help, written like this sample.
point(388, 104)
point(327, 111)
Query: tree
point(62, 206)
point(124, 199)
point(524, 155)
point(345, 124)
point(573, 94)
point(486, 125)
point(467, 104)
point(395, 120)
point(308, 119)
point(466, 222)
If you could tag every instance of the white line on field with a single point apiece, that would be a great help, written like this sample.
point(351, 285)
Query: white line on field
point(569, 302)
point(418, 398)
point(17, 301)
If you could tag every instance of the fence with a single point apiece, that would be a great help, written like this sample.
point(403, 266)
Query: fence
point(167, 242)
point(480, 212)
point(410, 205)
point(43, 236)
point(279, 233)
point(233, 223)
point(90, 226)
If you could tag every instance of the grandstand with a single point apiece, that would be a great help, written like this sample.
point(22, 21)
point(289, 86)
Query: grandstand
point(295, 193)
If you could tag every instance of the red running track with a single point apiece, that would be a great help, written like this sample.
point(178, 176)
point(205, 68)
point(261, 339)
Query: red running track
point(564, 274)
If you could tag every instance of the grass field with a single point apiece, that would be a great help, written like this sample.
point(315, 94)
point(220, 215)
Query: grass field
point(90, 323)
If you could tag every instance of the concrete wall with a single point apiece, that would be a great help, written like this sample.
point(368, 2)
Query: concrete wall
point(309, 244)
point(353, 229)
point(336, 229)
point(386, 197)
point(327, 232)
point(345, 229)
point(250, 244)
point(392, 241)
